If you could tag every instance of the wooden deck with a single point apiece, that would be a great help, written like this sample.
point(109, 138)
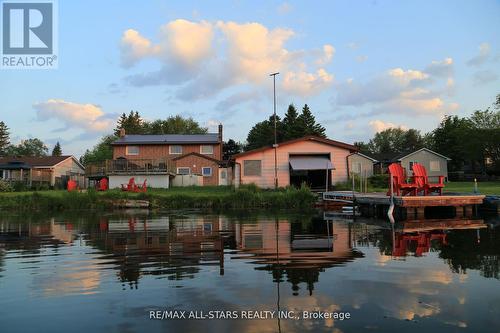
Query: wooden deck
point(409, 207)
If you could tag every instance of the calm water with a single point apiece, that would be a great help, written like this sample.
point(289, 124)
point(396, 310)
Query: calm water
point(105, 273)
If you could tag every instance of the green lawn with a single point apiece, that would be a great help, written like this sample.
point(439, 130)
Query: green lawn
point(468, 187)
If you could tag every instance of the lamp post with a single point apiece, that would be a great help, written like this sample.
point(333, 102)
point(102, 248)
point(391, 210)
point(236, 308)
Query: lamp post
point(275, 145)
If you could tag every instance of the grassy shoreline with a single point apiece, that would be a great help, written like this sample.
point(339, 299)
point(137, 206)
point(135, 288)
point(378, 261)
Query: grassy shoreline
point(175, 198)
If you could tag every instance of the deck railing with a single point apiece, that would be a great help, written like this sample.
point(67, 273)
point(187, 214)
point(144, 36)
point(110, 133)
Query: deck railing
point(126, 166)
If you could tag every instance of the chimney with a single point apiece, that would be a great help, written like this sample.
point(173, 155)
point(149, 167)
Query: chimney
point(220, 133)
point(221, 143)
point(122, 132)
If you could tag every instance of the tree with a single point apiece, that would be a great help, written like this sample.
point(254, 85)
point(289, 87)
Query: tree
point(412, 140)
point(230, 148)
point(174, 125)
point(57, 151)
point(4, 137)
point(100, 152)
point(308, 124)
point(362, 147)
point(291, 125)
point(131, 123)
point(389, 141)
point(30, 147)
point(450, 139)
point(262, 133)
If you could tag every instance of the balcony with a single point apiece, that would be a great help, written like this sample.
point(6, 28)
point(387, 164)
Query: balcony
point(130, 167)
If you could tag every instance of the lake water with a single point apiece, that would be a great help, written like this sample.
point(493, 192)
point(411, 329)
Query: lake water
point(111, 273)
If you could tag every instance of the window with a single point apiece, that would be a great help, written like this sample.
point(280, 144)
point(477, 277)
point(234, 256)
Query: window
point(410, 164)
point(435, 166)
point(206, 149)
point(176, 150)
point(252, 167)
point(206, 171)
point(132, 150)
point(183, 171)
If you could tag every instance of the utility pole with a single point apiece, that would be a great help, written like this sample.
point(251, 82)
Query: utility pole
point(275, 146)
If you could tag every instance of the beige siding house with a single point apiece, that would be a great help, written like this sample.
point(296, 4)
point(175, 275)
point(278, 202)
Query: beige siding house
point(361, 164)
point(435, 163)
point(49, 170)
point(316, 161)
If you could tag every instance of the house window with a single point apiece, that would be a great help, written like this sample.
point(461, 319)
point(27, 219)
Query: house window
point(183, 171)
point(206, 149)
point(132, 150)
point(175, 150)
point(206, 171)
point(435, 166)
point(411, 163)
point(252, 167)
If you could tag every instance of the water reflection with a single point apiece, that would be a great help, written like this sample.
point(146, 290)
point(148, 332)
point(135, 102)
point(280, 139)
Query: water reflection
point(383, 272)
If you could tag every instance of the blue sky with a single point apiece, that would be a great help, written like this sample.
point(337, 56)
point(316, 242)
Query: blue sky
point(361, 66)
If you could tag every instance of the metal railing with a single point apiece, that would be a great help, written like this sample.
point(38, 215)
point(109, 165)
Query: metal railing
point(126, 166)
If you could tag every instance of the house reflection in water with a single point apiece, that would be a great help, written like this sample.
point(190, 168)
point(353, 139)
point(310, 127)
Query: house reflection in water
point(175, 247)
point(295, 251)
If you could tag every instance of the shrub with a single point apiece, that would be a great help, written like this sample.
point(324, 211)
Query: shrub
point(5, 187)
point(379, 181)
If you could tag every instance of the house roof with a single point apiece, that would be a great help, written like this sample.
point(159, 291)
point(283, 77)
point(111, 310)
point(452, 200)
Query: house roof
point(36, 162)
point(305, 138)
point(391, 157)
point(403, 155)
point(167, 139)
point(198, 155)
point(365, 156)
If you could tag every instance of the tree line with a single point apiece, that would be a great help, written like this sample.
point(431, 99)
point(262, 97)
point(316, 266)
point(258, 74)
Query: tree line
point(27, 147)
point(472, 143)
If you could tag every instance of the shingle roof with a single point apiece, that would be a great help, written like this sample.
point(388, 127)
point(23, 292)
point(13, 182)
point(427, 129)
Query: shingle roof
point(48, 161)
point(167, 139)
point(305, 138)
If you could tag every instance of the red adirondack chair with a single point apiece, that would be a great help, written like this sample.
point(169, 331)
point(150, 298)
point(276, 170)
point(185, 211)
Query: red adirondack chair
point(72, 185)
point(422, 180)
point(130, 187)
point(400, 186)
point(141, 188)
point(102, 185)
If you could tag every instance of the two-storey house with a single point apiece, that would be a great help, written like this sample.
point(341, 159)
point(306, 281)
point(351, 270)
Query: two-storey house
point(159, 159)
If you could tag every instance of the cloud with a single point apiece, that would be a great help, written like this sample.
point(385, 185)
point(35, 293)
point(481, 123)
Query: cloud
point(482, 57)
point(361, 58)
point(284, 8)
point(305, 84)
point(443, 68)
point(484, 77)
point(405, 91)
point(204, 58)
point(230, 102)
point(379, 125)
point(328, 53)
point(86, 116)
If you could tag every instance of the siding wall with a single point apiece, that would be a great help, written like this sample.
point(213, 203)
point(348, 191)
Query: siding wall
point(425, 157)
point(196, 163)
point(162, 151)
point(266, 180)
point(366, 164)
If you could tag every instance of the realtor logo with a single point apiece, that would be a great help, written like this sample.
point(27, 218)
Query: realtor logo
point(29, 35)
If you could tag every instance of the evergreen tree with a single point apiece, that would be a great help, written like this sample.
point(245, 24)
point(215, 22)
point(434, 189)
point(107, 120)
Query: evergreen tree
point(292, 128)
point(230, 148)
point(308, 123)
point(57, 151)
point(132, 123)
point(4, 137)
point(262, 134)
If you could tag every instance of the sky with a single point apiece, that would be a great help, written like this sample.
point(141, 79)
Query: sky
point(361, 66)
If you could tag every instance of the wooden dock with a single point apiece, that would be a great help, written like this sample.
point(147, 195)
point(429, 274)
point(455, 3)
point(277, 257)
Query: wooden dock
point(406, 207)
